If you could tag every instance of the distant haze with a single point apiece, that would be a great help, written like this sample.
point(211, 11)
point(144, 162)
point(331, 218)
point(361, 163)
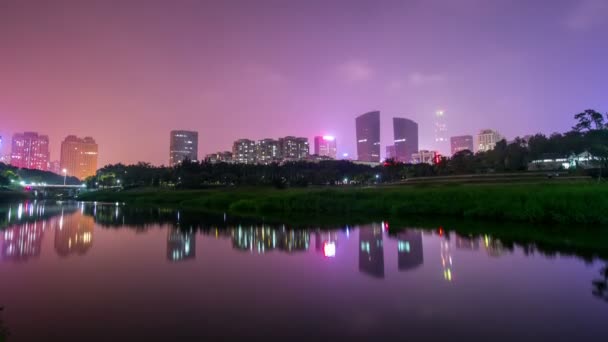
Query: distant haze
point(128, 72)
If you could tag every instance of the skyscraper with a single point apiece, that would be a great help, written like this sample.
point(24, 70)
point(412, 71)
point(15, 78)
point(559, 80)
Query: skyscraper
point(244, 151)
point(294, 148)
point(461, 143)
point(183, 145)
point(368, 137)
point(441, 130)
point(487, 139)
point(30, 151)
point(325, 146)
point(406, 138)
point(79, 156)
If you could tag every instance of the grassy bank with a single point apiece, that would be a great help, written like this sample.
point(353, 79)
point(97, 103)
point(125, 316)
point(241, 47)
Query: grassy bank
point(585, 203)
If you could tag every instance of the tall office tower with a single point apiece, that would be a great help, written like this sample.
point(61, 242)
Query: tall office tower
point(487, 139)
point(268, 151)
point(390, 152)
point(244, 151)
point(441, 132)
point(326, 146)
point(406, 139)
point(183, 145)
point(30, 151)
point(294, 148)
point(461, 143)
point(79, 156)
point(368, 137)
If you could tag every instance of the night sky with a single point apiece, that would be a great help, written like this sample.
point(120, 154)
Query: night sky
point(127, 72)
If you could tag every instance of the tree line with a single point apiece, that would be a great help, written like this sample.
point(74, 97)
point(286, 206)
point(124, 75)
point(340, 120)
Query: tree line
point(590, 133)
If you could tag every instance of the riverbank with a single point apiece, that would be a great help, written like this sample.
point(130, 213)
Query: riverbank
point(583, 203)
point(12, 196)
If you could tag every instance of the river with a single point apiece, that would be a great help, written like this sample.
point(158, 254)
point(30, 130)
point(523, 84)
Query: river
point(103, 272)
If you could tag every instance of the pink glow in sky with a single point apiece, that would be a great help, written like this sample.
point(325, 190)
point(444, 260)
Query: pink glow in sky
point(128, 72)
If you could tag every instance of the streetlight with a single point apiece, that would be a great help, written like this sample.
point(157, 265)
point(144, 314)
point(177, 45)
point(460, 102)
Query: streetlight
point(65, 175)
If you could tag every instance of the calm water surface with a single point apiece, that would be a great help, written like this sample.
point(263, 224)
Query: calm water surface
point(86, 272)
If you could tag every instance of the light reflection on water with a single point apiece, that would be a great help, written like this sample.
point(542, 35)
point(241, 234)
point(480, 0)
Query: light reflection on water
point(352, 281)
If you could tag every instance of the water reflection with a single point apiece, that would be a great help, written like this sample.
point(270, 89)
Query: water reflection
point(409, 249)
point(371, 251)
point(180, 245)
point(73, 234)
point(21, 242)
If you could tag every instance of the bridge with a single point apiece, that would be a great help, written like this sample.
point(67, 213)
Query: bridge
point(42, 190)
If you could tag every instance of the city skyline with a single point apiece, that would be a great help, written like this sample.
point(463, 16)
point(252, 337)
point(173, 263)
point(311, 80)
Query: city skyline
point(408, 59)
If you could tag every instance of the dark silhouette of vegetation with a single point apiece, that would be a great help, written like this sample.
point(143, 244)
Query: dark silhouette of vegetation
point(600, 286)
point(590, 134)
point(16, 175)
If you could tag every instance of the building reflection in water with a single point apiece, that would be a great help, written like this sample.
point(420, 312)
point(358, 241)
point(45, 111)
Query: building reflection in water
point(325, 242)
point(446, 255)
point(74, 234)
point(23, 241)
point(467, 242)
point(371, 251)
point(409, 249)
point(265, 238)
point(181, 245)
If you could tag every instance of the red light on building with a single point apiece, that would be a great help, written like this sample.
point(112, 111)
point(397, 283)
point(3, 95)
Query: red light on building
point(437, 158)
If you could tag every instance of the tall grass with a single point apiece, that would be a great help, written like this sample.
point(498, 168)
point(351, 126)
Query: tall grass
point(544, 202)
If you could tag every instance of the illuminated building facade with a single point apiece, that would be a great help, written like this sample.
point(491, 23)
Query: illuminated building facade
point(461, 143)
point(268, 151)
point(405, 132)
point(79, 156)
point(183, 145)
point(219, 157)
point(424, 157)
point(244, 151)
point(487, 139)
point(30, 151)
point(326, 146)
point(294, 148)
point(371, 251)
point(368, 137)
point(441, 131)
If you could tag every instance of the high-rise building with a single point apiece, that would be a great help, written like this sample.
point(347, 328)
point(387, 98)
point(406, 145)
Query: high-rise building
point(30, 151)
point(326, 146)
point(183, 145)
point(294, 148)
point(268, 151)
point(390, 152)
point(441, 130)
point(424, 156)
point(79, 156)
point(368, 137)
point(461, 143)
point(244, 151)
point(487, 139)
point(406, 138)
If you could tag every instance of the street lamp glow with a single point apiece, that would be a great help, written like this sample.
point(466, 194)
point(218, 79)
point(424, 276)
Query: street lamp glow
point(65, 175)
